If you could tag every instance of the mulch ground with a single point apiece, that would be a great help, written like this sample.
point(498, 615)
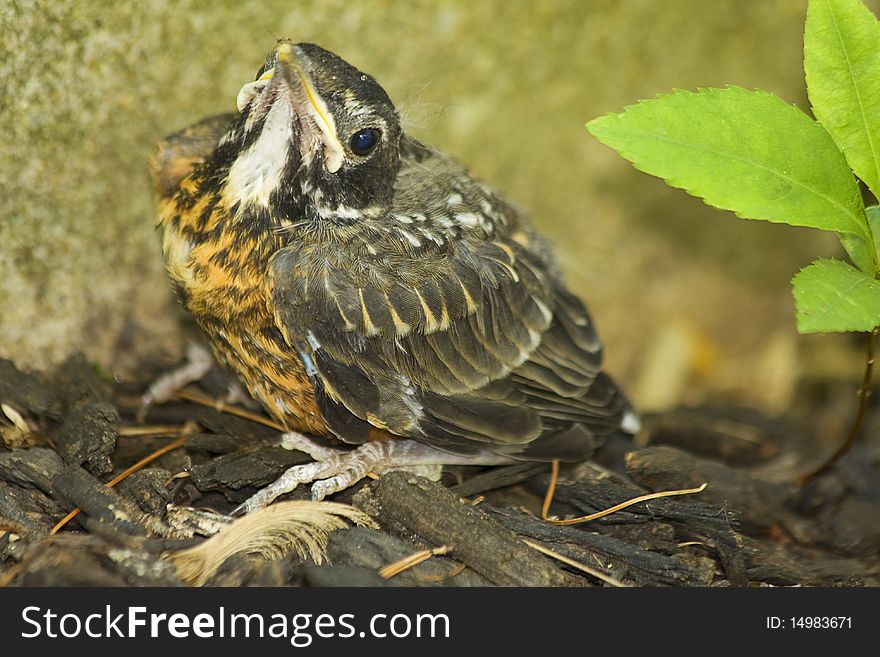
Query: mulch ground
point(66, 437)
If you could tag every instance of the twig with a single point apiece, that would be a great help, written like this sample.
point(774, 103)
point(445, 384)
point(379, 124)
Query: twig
point(433, 579)
point(598, 574)
point(222, 407)
point(134, 468)
point(151, 430)
point(623, 505)
point(864, 393)
point(392, 569)
point(551, 488)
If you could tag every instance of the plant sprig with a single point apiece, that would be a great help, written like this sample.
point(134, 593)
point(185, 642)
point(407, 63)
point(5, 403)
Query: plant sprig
point(752, 153)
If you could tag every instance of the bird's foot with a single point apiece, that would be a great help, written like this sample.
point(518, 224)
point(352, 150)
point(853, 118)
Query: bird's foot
point(334, 470)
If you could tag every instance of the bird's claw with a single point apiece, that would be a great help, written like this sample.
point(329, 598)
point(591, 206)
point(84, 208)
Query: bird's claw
point(332, 471)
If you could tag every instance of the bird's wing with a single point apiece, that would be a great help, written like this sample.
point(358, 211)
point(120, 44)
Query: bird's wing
point(449, 358)
point(178, 154)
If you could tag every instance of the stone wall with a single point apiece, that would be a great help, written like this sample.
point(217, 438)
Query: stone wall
point(691, 302)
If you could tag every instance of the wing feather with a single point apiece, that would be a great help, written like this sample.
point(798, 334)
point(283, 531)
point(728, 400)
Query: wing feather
point(477, 344)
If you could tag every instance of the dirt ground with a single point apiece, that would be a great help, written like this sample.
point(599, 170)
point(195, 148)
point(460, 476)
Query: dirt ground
point(66, 436)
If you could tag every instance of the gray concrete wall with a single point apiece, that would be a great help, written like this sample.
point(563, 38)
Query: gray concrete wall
point(691, 303)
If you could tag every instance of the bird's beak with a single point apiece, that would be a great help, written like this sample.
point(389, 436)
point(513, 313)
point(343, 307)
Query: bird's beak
point(251, 89)
point(291, 79)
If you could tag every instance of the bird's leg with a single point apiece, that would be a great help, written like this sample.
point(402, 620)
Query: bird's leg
point(299, 442)
point(335, 470)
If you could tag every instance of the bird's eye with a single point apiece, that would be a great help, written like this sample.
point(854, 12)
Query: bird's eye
point(364, 141)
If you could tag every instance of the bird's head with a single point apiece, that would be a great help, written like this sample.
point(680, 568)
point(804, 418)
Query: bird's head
point(315, 137)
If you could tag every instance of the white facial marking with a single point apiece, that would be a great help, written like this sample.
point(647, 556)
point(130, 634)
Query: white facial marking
point(340, 211)
point(346, 212)
point(231, 135)
point(256, 174)
point(454, 199)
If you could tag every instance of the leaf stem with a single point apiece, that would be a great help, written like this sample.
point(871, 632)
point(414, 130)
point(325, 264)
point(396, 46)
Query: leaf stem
point(864, 393)
point(872, 249)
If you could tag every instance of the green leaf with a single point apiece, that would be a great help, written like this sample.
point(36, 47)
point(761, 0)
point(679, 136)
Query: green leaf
point(842, 66)
point(858, 250)
point(865, 254)
point(832, 296)
point(739, 150)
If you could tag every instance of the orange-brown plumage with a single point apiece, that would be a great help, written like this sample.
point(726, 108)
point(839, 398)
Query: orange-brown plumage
point(221, 288)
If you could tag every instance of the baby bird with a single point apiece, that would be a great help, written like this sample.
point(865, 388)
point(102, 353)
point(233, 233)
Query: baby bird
point(368, 291)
